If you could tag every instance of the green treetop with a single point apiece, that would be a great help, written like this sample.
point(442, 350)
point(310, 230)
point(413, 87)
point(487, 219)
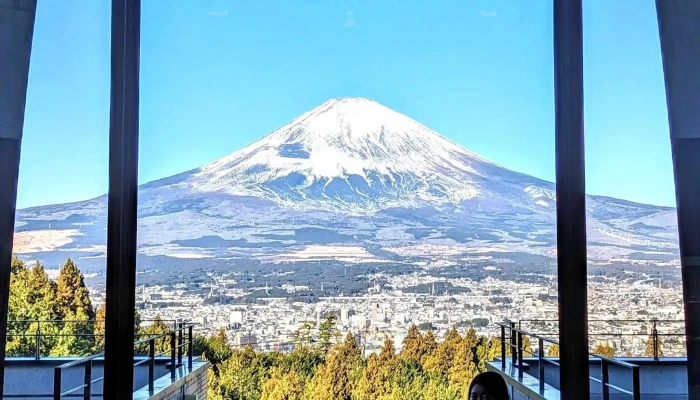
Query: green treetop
point(413, 346)
point(72, 296)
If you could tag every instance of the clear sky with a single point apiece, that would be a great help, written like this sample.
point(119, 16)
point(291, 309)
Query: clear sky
point(219, 74)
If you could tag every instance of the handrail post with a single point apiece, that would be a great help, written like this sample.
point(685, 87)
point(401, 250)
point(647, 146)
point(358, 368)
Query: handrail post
point(172, 355)
point(512, 344)
point(604, 379)
point(189, 347)
point(520, 354)
point(57, 383)
point(540, 363)
point(180, 328)
point(503, 346)
point(151, 364)
point(37, 343)
point(655, 338)
point(87, 392)
point(636, 391)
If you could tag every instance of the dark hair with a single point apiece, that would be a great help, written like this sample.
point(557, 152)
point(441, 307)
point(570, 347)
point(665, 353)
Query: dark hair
point(493, 382)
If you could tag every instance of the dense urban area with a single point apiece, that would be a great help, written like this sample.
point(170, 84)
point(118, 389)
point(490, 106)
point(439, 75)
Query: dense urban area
point(621, 314)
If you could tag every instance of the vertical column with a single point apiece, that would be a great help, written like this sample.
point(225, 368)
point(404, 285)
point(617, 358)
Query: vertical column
point(679, 31)
point(122, 200)
point(571, 200)
point(16, 31)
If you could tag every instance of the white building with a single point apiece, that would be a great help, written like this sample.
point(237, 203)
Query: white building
point(236, 318)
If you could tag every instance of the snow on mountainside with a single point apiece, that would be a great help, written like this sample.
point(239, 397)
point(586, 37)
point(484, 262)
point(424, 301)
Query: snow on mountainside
point(350, 152)
point(355, 173)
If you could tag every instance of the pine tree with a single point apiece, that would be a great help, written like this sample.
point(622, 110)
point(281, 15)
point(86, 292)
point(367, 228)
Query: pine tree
point(303, 336)
point(338, 376)
point(32, 298)
point(155, 330)
point(378, 377)
point(242, 375)
point(649, 350)
point(483, 353)
point(604, 350)
point(327, 333)
point(72, 296)
point(527, 347)
point(303, 360)
point(17, 343)
point(283, 386)
point(463, 367)
point(413, 346)
point(553, 351)
point(439, 362)
point(75, 310)
point(430, 343)
point(100, 316)
point(216, 349)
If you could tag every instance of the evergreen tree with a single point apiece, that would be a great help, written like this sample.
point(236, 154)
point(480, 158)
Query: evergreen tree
point(72, 296)
point(303, 336)
point(527, 347)
point(462, 367)
point(213, 386)
point(378, 377)
point(604, 350)
point(242, 375)
point(32, 298)
point(327, 333)
point(283, 386)
point(439, 390)
point(100, 316)
point(553, 351)
point(18, 310)
point(303, 360)
point(336, 379)
point(649, 350)
point(430, 343)
point(484, 352)
point(155, 330)
point(439, 362)
point(75, 310)
point(413, 346)
point(215, 349)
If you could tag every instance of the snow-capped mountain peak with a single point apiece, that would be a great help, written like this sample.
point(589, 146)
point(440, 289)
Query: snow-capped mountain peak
point(349, 150)
point(352, 172)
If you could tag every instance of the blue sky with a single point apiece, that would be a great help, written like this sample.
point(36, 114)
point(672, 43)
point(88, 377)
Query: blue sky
point(217, 75)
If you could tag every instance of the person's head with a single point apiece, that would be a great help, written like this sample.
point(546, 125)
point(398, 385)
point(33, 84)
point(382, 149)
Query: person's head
point(488, 386)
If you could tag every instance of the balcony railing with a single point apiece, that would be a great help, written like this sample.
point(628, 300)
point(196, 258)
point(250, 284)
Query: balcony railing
point(176, 344)
point(659, 331)
point(179, 338)
point(38, 333)
point(512, 338)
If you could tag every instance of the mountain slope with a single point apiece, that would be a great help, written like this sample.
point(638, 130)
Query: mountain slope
point(355, 173)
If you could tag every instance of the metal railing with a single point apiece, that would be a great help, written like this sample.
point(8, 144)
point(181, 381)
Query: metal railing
point(514, 341)
point(179, 338)
point(48, 335)
point(659, 331)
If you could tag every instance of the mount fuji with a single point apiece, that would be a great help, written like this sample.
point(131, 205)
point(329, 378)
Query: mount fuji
point(352, 181)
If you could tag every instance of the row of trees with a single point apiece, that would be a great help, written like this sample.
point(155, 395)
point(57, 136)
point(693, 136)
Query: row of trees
point(60, 311)
point(323, 368)
point(59, 315)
